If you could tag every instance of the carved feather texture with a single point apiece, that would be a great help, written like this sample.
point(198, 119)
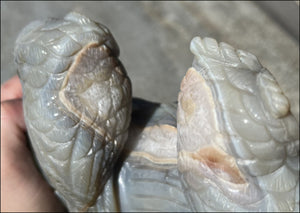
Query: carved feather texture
point(77, 104)
point(149, 179)
point(252, 116)
point(235, 148)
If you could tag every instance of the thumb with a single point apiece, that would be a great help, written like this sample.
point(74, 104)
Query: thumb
point(12, 124)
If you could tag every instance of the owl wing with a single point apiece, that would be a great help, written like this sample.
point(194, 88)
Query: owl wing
point(253, 113)
point(77, 99)
point(148, 178)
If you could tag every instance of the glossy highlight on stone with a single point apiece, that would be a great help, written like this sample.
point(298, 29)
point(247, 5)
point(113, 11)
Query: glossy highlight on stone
point(230, 142)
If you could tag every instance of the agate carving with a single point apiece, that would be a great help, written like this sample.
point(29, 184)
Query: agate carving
point(230, 143)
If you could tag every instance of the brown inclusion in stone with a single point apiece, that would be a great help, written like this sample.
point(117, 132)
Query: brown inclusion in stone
point(85, 91)
point(219, 161)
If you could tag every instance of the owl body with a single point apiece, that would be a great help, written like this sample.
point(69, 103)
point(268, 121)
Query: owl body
point(77, 104)
point(229, 143)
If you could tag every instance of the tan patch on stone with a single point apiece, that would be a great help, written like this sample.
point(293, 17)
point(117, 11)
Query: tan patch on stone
point(216, 159)
point(162, 127)
point(188, 107)
point(154, 159)
point(159, 137)
point(81, 64)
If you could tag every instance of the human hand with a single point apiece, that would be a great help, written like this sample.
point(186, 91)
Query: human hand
point(23, 188)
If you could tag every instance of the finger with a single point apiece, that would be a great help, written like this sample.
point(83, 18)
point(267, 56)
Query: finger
point(12, 123)
point(23, 185)
point(12, 89)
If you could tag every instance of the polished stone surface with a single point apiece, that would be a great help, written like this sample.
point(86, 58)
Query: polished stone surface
point(154, 38)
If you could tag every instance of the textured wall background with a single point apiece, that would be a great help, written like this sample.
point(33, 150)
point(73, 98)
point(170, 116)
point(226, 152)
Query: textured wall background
point(154, 37)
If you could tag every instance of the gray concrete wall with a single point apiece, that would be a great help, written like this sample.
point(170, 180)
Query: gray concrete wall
point(154, 38)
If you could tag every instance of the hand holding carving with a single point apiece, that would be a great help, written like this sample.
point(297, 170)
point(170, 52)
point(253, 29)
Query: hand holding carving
point(231, 143)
